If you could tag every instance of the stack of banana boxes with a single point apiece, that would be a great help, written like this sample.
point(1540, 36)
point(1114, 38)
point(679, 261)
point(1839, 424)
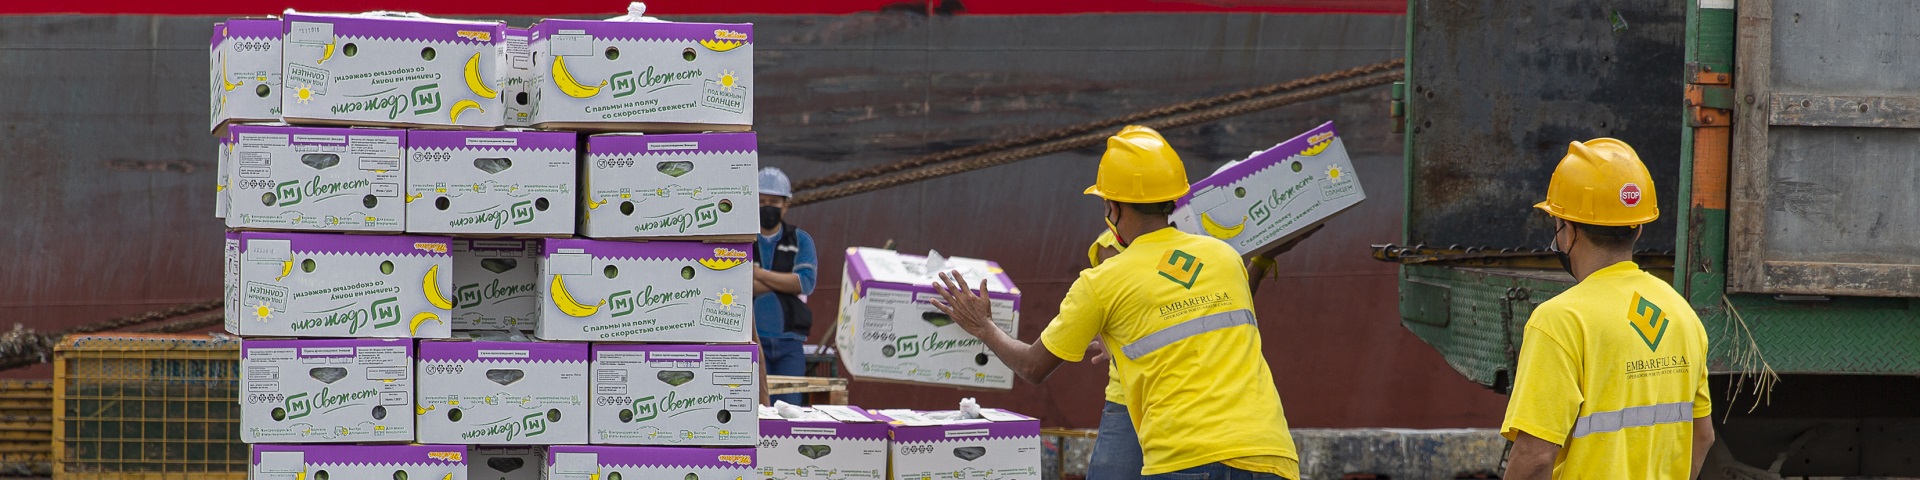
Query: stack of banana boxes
point(458, 249)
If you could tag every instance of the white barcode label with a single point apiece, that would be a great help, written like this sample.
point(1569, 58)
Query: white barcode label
point(878, 318)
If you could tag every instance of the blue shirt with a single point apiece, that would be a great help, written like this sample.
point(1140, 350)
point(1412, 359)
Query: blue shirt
point(768, 320)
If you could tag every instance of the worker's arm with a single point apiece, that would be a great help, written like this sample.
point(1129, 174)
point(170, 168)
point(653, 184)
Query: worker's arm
point(1702, 441)
point(972, 310)
point(1532, 458)
point(759, 287)
point(800, 280)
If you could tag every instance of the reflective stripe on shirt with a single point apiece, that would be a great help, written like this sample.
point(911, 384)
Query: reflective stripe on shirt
point(1642, 416)
point(1187, 329)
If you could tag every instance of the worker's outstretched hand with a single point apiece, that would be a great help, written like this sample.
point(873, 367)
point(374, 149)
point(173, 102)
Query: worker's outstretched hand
point(967, 307)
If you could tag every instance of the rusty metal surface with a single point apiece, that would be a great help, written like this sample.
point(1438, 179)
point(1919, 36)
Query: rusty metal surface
point(108, 189)
point(1498, 89)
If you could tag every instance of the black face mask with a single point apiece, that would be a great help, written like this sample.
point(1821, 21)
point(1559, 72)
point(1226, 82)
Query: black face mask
point(769, 216)
point(1566, 263)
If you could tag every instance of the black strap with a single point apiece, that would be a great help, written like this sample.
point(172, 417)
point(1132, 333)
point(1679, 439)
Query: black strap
point(785, 251)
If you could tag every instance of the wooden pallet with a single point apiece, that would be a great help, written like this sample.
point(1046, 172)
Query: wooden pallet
point(835, 388)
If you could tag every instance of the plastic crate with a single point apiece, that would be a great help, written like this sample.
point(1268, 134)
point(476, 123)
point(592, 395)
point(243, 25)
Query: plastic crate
point(147, 407)
point(26, 427)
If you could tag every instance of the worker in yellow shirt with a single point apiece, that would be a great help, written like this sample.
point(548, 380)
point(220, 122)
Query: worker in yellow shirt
point(1612, 377)
point(1175, 309)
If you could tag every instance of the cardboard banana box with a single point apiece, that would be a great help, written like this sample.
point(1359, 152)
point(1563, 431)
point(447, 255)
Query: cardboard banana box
point(643, 76)
point(334, 285)
point(595, 462)
point(390, 69)
point(890, 331)
point(516, 183)
point(703, 185)
point(1270, 198)
point(517, 96)
point(316, 179)
point(675, 394)
point(244, 65)
point(496, 285)
point(506, 463)
point(327, 391)
point(502, 393)
point(359, 462)
point(609, 291)
point(825, 442)
point(1000, 446)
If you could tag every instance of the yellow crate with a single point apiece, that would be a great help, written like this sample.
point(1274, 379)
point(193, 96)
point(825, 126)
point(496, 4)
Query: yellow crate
point(26, 427)
point(147, 407)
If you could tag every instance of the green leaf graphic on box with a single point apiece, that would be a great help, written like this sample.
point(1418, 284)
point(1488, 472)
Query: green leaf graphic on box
point(675, 169)
point(675, 377)
point(320, 161)
point(505, 376)
point(970, 453)
point(499, 265)
point(493, 165)
point(938, 319)
point(328, 374)
point(505, 464)
point(815, 451)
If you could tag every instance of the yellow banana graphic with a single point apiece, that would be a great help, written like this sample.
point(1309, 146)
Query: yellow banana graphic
point(300, 476)
point(223, 76)
point(414, 196)
point(430, 284)
point(720, 263)
point(568, 85)
point(462, 106)
point(1316, 148)
point(474, 82)
point(422, 410)
point(564, 300)
point(721, 45)
point(326, 54)
point(1219, 231)
point(413, 328)
point(448, 477)
point(286, 268)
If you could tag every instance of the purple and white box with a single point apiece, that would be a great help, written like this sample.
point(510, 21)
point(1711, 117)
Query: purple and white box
point(659, 394)
point(688, 185)
point(520, 74)
point(1264, 201)
point(326, 391)
point(221, 197)
point(889, 329)
point(643, 76)
point(822, 442)
point(570, 462)
point(1001, 445)
point(517, 183)
point(392, 69)
point(344, 462)
point(334, 285)
point(506, 463)
point(609, 291)
point(245, 71)
point(502, 393)
point(497, 285)
point(325, 179)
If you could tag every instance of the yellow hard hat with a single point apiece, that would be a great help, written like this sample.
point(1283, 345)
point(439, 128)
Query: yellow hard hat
point(1104, 240)
point(1601, 182)
point(1139, 167)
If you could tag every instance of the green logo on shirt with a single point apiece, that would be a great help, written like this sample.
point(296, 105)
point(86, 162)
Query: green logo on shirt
point(1648, 321)
point(1176, 264)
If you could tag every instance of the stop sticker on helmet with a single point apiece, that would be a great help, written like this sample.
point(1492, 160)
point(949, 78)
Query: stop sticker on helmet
point(1630, 195)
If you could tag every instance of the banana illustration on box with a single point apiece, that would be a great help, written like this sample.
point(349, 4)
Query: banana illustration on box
point(564, 299)
point(453, 116)
point(568, 84)
point(327, 53)
point(474, 82)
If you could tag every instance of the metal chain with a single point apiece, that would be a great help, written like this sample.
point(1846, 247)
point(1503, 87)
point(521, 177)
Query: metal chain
point(1101, 125)
point(1091, 138)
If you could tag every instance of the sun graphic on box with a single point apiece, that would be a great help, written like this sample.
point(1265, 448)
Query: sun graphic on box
point(1334, 172)
point(727, 297)
point(728, 80)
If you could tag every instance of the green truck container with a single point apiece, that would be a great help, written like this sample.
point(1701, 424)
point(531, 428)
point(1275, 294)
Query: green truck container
point(1789, 195)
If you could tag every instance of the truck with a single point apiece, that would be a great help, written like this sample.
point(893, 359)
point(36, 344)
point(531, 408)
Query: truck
point(1784, 141)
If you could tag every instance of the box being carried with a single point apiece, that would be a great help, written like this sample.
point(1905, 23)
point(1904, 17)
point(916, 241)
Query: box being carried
point(392, 69)
point(334, 285)
point(326, 391)
point(502, 393)
point(571, 462)
point(889, 329)
point(490, 183)
point(1001, 445)
point(688, 185)
point(649, 76)
point(1264, 201)
point(822, 442)
point(505, 463)
point(303, 178)
point(496, 284)
point(245, 68)
point(343, 462)
point(645, 291)
point(675, 394)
